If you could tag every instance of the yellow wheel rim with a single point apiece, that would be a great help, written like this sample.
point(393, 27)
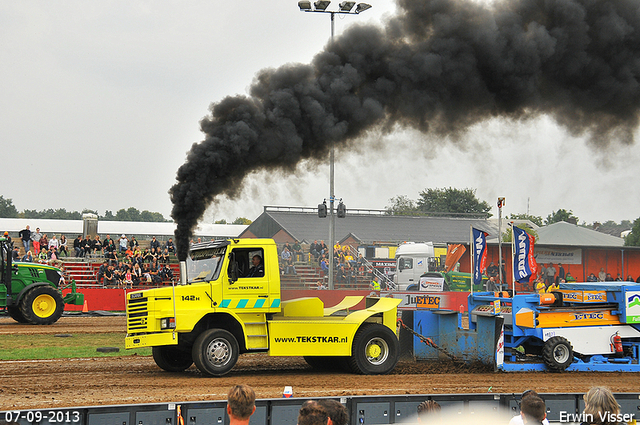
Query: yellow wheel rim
point(44, 305)
point(373, 351)
point(377, 351)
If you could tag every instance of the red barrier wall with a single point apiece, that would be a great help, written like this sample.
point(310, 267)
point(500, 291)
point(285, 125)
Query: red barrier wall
point(100, 299)
point(114, 299)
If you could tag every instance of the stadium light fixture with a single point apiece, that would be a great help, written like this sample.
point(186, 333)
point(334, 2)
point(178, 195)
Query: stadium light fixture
point(346, 6)
point(361, 7)
point(322, 5)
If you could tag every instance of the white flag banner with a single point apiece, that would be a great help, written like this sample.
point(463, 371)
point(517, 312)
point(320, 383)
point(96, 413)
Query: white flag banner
point(558, 255)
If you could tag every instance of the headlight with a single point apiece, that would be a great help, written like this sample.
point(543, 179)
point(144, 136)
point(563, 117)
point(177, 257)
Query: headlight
point(168, 323)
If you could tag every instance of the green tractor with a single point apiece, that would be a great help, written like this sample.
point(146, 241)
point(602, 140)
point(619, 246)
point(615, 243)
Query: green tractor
point(32, 292)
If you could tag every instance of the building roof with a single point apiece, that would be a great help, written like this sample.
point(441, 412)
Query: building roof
point(367, 228)
point(567, 234)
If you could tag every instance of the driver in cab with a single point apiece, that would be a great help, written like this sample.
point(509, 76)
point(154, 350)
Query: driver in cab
point(257, 270)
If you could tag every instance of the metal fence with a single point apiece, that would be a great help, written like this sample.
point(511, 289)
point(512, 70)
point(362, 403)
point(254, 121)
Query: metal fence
point(362, 410)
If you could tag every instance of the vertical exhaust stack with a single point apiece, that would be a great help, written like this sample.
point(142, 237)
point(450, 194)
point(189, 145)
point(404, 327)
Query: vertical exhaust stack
point(183, 272)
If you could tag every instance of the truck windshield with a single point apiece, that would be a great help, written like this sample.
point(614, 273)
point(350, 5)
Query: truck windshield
point(203, 265)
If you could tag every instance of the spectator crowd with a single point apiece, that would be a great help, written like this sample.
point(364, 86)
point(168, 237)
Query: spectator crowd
point(125, 263)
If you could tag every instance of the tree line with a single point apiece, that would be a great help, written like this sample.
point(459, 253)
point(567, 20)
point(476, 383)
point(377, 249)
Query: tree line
point(8, 210)
point(454, 202)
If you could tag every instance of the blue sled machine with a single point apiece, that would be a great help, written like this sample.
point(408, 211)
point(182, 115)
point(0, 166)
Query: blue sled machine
point(580, 327)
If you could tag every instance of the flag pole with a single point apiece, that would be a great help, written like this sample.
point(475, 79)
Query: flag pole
point(471, 255)
point(513, 262)
point(502, 278)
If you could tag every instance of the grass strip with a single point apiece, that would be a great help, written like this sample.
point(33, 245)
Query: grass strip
point(33, 347)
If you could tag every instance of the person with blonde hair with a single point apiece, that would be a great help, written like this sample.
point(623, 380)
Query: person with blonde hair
point(27, 257)
point(241, 404)
point(601, 407)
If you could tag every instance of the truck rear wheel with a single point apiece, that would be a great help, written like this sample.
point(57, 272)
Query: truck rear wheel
point(215, 352)
point(557, 353)
point(171, 358)
point(15, 314)
point(375, 350)
point(42, 305)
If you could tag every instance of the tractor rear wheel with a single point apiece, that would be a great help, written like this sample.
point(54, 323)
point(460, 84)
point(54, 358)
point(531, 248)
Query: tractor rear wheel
point(375, 350)
point(15, 314)
point(42, 305)
point(215, 352)
point(557, 354)
point(171, 358)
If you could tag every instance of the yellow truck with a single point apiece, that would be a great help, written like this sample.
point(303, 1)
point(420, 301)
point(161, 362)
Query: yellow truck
point(228, 303)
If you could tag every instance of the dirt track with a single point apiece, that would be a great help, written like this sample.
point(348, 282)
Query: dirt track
point(125, 380)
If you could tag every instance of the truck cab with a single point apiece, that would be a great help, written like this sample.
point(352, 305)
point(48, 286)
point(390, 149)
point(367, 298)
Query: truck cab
point(413, 259)
point(227, 268)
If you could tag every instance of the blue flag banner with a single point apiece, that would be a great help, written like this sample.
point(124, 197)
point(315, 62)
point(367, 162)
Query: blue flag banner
point(479, 251)
point(524, 264)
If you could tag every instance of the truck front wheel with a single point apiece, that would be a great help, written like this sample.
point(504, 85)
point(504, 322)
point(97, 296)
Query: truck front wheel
point(172, 358)
point(42, 305)
point(375, 350)
point(215, 352)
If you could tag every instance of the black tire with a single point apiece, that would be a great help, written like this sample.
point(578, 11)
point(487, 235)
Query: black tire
point(557, 354)
point(215, 352)
point(374, 351)
point(15, 314)
point(42, 305)
point(172, 358)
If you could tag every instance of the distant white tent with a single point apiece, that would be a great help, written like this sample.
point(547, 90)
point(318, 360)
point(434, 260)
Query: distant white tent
point(141, 230)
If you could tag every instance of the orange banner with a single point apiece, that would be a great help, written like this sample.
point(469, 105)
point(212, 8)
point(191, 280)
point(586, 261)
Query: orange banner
point(454, 253)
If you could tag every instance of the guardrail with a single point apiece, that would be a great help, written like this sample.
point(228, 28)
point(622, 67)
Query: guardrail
point(362, 410)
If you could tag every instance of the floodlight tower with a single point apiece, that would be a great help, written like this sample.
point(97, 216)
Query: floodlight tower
point(344, 8)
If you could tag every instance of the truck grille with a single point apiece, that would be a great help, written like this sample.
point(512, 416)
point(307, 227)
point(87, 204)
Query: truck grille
point(137, 315)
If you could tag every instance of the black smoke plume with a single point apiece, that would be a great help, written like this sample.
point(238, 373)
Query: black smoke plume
point(439, 66)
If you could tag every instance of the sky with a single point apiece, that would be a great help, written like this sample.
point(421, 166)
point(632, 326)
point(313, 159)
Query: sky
point(101, 102)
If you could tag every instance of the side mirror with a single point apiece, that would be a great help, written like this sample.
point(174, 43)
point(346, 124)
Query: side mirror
point(400, 264)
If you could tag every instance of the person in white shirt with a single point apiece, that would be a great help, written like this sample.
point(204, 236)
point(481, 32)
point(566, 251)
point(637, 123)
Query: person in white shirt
point(518, 420)
point(53, 242)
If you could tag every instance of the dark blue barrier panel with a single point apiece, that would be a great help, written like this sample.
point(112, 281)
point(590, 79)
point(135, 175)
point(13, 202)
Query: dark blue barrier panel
point(362, 410)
